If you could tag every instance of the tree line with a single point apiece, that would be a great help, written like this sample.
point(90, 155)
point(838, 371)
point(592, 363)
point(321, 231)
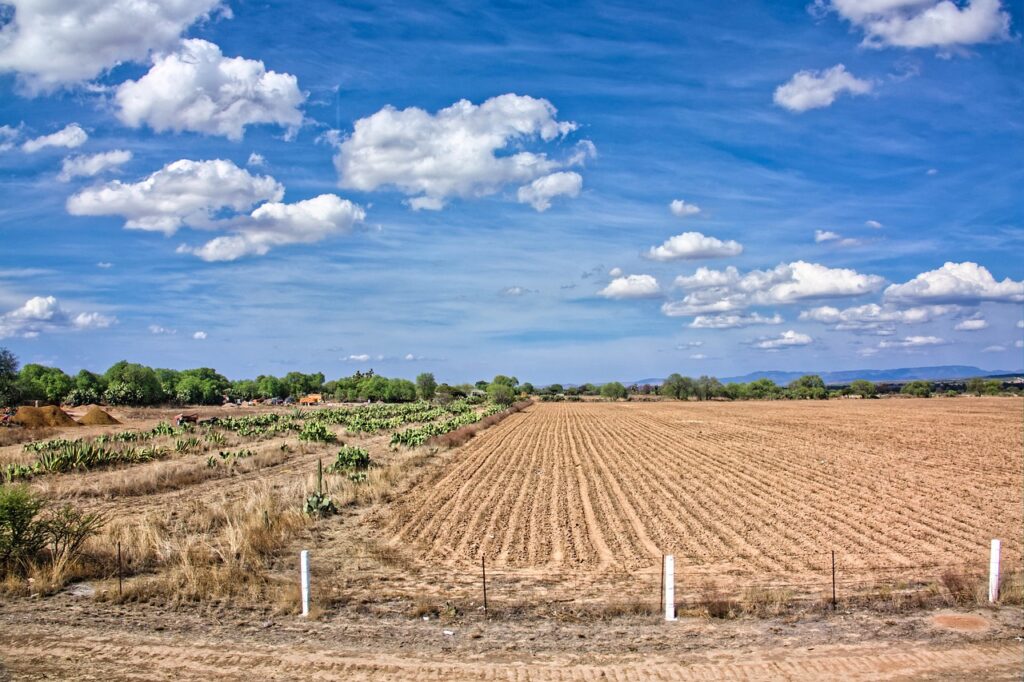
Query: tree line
point(132, 384)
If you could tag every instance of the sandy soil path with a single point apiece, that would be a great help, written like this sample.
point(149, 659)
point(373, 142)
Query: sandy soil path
point(67, 652)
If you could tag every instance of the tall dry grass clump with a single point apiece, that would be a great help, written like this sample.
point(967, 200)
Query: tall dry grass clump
point(221, 550)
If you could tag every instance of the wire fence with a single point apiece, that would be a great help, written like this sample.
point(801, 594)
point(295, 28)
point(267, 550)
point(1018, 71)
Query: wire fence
point(702, 584)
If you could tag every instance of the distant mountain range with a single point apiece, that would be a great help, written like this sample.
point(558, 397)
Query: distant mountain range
point(842, 377)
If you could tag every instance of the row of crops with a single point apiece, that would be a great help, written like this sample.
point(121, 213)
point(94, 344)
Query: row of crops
point(421, 434)
point(63, 455)
point(80, 456)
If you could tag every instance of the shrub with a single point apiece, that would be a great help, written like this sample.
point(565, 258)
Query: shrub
point(316, 432)
point(22, 533)
point(350, 458)
point(67, 529)
point(26, 530)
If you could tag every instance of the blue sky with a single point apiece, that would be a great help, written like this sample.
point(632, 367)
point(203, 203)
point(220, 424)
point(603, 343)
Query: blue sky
point(471, 190)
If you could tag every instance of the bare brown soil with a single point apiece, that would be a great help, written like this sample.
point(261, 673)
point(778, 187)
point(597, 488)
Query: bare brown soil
point(744, 495)
point(49, 415)
point(95, 416)
point(74, 638)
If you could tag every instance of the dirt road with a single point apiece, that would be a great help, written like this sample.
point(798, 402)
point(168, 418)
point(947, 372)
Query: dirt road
point(76, 639)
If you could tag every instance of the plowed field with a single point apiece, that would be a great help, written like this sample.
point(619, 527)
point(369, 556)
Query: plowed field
point(756, 488)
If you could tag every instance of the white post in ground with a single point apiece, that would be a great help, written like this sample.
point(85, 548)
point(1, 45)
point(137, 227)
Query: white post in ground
point(993, 573)
point(669, 574)
point(304, 570)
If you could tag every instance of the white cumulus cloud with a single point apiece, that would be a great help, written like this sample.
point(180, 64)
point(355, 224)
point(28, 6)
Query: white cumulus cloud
point(721, 291)
point(925, 23)
point(732, 321)
point(278, 224)
point(199, 336)
point(453, 152)
point(256, 160)
point(631, 286)
point(198, 89)
point(91, 165)
point(875, 319)
point(362, 357)
point(181, 193)
point(873, 224)
point(157, 329)
point(787, 339)
point(615, 272)
point(682, 209)
point(972, 325)
point(541, 191)
point(965, 282)
point(62, 42)
point(70, 136)
point(694, 246)
point(42, 314)
point(993, 349)
point(910, 342)
point(817, 89)
point(200, 194)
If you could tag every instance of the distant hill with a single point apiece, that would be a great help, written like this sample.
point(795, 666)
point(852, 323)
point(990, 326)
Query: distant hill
point(846, 376)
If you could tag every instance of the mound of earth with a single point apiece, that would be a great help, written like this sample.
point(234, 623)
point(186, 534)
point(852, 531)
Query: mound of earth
point(96, 417)
point(50, 415)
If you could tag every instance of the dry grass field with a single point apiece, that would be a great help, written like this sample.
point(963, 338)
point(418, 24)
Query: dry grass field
point(571, 506)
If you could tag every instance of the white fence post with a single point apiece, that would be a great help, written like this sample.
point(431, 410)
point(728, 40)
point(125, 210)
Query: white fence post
point(304, 570)
point(993, 573)
point(669, 573)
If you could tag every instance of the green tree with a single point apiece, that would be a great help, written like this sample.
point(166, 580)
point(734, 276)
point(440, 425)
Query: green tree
point(244, 389)
point(677, 386)
point(511, 382)
point(764, 389)
point(168, 380)
point(268, 386)
point(426, 386)
point(919, 389)
point(45, 384)
point(736, 391)
point(8, 378)
point(707, 388)
point(400, 391)
point(863, 388)
point(808, 387)
point(132, 384)
point(554, 389)
point(527, 388)
point(90, 382)
point(975, 386)
point(613, 390)
point(500, 393)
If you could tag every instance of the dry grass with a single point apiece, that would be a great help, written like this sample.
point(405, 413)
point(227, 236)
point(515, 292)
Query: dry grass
point(212, 551)
point(767, 602)
point(16, 435)
point(154, 477)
